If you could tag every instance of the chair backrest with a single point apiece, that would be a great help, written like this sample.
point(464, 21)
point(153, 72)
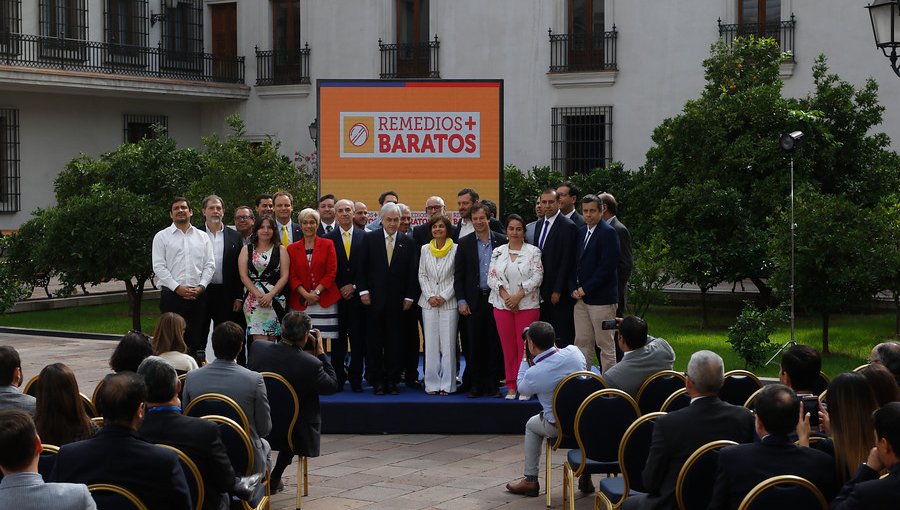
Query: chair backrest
point(634, 450)
point(657, 388)
point(95, 396)
point(677, 400)
point(738, 386)
point(107, 495)
point(192, 474)
point(89, 408)
point(693, 488)
point(784, 491)
point(47, 460)
point(285, 409)
point(237, 442)
point(601, 421)
point(181, 378)
point(34, 384)
point(857, 369)
point(31, 387)
point(567, 396)
point(750, 403)
point(822, 383)
point(220, 405)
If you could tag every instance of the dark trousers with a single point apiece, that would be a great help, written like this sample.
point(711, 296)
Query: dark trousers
point(484, 347)
point(194, 313)
point(561, 317)
point(383, 346)
point(410, 342)
point(351, 328)
point(219, 309)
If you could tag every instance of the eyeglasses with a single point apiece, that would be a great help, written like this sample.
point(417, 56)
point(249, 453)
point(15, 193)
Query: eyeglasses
point(243, 218)
point(433, 207)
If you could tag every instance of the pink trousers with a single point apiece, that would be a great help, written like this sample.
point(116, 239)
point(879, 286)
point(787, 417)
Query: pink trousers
point(509, 327)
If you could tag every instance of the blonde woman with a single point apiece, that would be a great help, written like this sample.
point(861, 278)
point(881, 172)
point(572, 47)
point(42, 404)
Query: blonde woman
point(439, 313)
point(168, 342)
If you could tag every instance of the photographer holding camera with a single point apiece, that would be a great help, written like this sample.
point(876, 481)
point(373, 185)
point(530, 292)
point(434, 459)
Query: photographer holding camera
point(543, 366)
point(642, 356)
point(299, 358)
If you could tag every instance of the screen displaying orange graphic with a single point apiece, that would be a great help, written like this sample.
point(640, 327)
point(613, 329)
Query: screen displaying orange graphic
point(418, 138)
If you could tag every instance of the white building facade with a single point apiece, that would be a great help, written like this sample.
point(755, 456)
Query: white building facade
point(585, 81)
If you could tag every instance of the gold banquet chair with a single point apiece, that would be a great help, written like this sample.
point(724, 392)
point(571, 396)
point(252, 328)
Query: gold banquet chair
point(771, 493)
point(103, 488)
point(285, 406)
point(192, 473)
point(220, 405)
point(693, 487)
point(241, 454)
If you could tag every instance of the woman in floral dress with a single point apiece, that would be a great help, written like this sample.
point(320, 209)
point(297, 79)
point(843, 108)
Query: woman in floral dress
point(264, 267)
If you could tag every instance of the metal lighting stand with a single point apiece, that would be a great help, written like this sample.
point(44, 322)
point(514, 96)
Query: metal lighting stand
point(790, 342)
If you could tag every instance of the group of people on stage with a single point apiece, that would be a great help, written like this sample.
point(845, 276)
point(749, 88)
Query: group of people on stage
point(474, 285)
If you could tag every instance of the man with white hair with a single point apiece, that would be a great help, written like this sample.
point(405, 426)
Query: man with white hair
point(405, 219)
point(388, 285)
point(422, 233)
point(679, 433)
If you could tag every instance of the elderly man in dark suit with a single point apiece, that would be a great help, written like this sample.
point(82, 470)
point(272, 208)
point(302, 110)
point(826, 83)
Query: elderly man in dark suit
point(644, 356)
point(300, 359)
point(866, 491)
point(388, 286)
point(593, 285)
point(118, 456)
point(742, 467)
point(22, 487)
point(244, 386)
point(473, 260)
point(422, 233)
point(678, 434)
point(198, 438)
point(556, 237)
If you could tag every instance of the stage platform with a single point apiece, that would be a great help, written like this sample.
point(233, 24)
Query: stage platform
point(414, 412)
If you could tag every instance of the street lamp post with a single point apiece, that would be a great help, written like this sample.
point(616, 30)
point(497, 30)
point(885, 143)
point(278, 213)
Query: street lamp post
point(314, 131)
point(885, 15)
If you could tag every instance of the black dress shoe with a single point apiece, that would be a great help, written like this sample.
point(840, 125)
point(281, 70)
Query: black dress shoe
point(394, 390)
point(379, 390)
point(246, 486)
point(356, 387)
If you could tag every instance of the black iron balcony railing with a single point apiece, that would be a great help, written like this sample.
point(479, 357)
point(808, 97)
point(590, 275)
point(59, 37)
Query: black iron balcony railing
point(410, 60)
point(33, 51)
point(782, 31)
point(282, 67)
point(572, 53)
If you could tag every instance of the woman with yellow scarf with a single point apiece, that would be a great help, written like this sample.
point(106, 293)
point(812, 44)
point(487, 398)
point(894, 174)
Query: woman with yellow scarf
point(439, 313)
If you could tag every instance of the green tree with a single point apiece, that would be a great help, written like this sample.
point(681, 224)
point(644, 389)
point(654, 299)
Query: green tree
point(520, 190)
point(886, 217)
point(649, 276)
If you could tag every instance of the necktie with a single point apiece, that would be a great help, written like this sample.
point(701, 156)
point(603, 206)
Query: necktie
point(587, 239)
point(328, 229)
point(544, 233)
point(285, 238)
point(347, 244)
point(390, 248)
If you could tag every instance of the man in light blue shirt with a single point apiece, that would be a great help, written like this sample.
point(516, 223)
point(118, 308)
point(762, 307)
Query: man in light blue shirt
point(541, 370)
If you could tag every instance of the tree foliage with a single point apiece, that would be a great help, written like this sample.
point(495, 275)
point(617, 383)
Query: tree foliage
point(749, 336)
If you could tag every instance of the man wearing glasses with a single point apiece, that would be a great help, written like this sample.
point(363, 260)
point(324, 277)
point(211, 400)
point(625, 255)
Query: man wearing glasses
point(422, 233)
point(243, 222)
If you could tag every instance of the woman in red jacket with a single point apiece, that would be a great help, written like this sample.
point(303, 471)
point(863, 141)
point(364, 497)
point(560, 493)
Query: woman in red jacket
point(312, 271)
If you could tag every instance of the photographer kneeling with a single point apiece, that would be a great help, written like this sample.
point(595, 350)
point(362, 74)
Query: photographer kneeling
point(300, 359)
point(541, 370)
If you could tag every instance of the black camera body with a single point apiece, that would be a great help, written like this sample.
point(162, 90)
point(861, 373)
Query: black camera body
point(610, 324)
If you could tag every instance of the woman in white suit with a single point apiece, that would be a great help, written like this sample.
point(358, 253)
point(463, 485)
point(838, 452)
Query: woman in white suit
point(439, 312)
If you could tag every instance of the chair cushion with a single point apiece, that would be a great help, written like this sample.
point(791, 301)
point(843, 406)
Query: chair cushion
point(612, 487)
point(591, 466)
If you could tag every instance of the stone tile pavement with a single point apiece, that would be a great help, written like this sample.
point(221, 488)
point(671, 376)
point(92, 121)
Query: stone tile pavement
point(395, 472)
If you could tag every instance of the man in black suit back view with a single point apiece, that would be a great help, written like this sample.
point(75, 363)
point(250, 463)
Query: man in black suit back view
point(555, 235)
point(677, 434)
point(866, 491)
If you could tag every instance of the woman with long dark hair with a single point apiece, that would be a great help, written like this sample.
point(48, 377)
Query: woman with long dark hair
point(60, 418)
point(264, 267)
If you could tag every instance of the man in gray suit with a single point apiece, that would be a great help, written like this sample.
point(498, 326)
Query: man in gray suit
point(22, 487)
point(10, 380)
point(642, 357)
point(244, 386)
point(626, 259)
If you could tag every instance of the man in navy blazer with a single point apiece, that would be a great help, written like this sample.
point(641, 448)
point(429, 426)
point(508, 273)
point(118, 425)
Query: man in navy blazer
point(568, 195)
point(866, 491)
point(594, 285)
point(327, 222)
point(742, 467)
point(473, 259)
point(118, 456)
point(388, 285)
point(555, 235)
point(284, 211)
point(351, 314)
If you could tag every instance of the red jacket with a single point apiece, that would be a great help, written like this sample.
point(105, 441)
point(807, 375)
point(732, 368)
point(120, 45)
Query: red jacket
point(324, 267)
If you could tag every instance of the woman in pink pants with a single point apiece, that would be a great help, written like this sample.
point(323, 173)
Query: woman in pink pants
point(515, 279)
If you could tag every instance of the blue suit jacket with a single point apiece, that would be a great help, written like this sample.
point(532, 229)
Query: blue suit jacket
point(595, 265)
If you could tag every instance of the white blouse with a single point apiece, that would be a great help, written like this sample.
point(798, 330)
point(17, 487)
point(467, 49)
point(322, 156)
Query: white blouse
point(526, 272)
point(436, 278)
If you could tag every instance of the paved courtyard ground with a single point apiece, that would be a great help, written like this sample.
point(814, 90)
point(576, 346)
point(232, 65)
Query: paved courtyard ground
point(398, 472)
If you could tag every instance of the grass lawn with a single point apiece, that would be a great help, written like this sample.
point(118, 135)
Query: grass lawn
point(851, 336)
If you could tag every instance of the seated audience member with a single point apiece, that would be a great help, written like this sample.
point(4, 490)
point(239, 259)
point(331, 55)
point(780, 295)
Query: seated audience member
point(132, 349)
point(679, 433)
point(541, 370)
point(60, 417)
point(168, 342)
point(244, 386)
point(642, 357)
point(742, 467)
point(22, 487)
point(887, 354)
point(299, 358)
point(197, 438)
point(847, 422)
point(11, 397)
point(882, 383)
point(800, 367)
point(118, 456)
point(866, 491)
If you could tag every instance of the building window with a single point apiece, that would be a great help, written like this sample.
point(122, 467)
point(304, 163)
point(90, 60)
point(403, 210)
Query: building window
point(182, 32)
point(581, 138)
point(10, 23)
point(762, 18)
point(138, 127)
point(63, 19)
point(10, 191)
point(759, 12)
point(586, 26)
point(414, 55)
point(126, 22)
point(286, 25)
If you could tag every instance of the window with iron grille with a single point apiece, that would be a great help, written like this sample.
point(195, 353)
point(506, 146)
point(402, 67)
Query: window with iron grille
point(138, 127)
point(126, 22)
point(10, 23)
point(182, 32)
point(63, 19)
point(581, 138)
point(10, 191)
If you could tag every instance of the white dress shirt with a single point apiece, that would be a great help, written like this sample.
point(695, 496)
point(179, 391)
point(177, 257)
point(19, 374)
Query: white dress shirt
point(183, 258)
point(465, 228)
point(218, 242)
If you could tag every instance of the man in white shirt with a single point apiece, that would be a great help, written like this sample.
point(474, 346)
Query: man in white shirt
point(326, 215)
point(288, 231)
point(184, 264)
